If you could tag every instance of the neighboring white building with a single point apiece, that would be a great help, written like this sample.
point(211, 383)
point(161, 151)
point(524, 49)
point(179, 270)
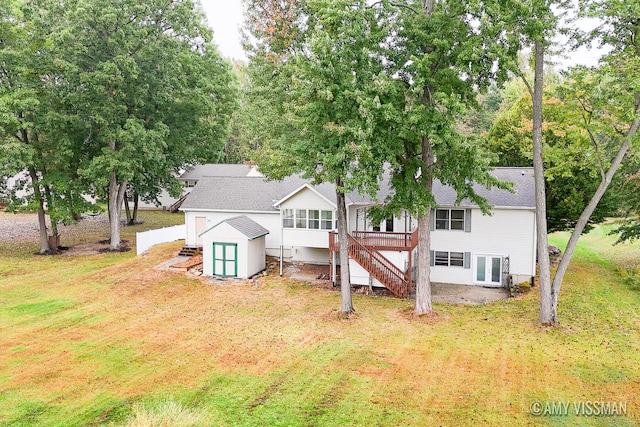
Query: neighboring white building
point(467, 247)
point(192, 175)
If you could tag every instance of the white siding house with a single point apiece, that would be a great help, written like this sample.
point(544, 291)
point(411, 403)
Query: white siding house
point(467, 247)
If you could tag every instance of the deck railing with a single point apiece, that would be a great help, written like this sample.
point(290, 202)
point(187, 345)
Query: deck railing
point(379, 240)
point(396, 280)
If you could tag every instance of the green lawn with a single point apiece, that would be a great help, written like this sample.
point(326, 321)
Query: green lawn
point(107, 340)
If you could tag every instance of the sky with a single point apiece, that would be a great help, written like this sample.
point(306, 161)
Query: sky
point(225, 18)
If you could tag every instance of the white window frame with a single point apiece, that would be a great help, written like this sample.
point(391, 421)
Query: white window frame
point(304, 219)
point(326, 222)
point(301, 218)
point(288, 219)
point(313, 218)
point(448, 221)
point(448, 259)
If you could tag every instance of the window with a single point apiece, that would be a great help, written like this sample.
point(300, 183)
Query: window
point(442, 258)
point(314, 220)
point(450, 219)
point(287, 218)
point(386, 225)
point(457, 219)
point(450, 259)
point(456, 259)
point(326, 220)
point(442, 219)
point(311, 219)
point(301, 218)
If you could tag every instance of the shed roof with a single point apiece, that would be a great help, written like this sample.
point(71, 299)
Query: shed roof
point(245, 225)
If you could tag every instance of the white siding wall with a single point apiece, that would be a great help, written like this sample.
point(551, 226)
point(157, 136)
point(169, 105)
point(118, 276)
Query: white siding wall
point(319, 256)
point(307, 245)
point(360, 276)
point(270, 221)
point(256, 261)
point(508, 232)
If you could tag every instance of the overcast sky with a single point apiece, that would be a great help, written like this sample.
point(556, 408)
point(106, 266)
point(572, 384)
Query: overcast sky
point(225, 18)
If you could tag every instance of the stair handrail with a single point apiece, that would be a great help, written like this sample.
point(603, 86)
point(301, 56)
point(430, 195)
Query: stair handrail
point(385, 266)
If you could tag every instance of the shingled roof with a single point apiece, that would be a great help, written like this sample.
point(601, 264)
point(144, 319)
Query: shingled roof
point(244, 225)
point(257, 194)
point(215, 169)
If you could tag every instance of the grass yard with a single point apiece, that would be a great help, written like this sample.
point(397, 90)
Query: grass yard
point(107, 340)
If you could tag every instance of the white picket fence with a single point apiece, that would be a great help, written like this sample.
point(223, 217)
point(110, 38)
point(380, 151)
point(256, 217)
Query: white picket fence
point(148, 239)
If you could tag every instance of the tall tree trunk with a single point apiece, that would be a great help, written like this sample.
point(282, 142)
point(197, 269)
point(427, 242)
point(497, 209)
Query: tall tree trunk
point(136, 198)
point(593, 203)
point(423, 284)
point(343, 237)
point(42, 221)
point(54, 223)
point(116, 198)
point(127, 211)
point(547, 313)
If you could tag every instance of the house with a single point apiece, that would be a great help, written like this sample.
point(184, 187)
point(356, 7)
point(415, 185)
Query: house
point(467, 247)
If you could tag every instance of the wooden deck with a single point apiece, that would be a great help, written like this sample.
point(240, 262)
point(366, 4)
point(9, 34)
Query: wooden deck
point(379, 240)
point(364, 247)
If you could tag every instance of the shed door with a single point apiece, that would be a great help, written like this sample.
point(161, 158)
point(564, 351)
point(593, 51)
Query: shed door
point(225, 259)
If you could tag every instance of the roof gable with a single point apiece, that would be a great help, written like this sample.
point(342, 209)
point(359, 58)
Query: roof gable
point(245, 225)
point(303, 187)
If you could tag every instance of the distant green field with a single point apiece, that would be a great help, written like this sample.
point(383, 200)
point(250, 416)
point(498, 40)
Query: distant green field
point(108, 340)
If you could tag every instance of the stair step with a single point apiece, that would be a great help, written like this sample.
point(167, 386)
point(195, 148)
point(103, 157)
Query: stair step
point(189, 251)
point(363, 255)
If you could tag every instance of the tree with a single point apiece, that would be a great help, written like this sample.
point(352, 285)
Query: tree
point(441, 53)
point(534, 24)
point(612, 91)
point(150, 88)
point(611, 112)
point(29, 119)
point(571, 160)
point(333, 94)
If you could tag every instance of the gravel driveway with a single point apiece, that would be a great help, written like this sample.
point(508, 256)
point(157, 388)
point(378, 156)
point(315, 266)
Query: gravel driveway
point(23, 227)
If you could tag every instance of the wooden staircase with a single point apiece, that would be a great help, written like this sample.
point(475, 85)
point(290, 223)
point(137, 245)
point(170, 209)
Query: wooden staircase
point(396, 280)
point(189, 251)
point(174, 207)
